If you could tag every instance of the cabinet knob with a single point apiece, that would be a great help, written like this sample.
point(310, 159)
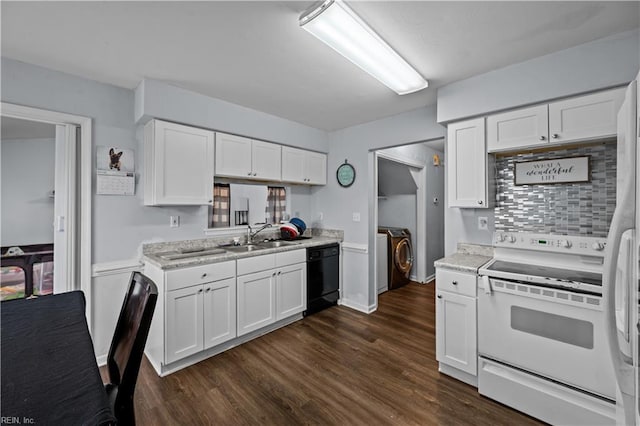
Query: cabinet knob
point(555, 136)
point(439, 296)
point(208, 289)
point(211, 201)
point(200, 291)
point(542, 138)
point(249, 174)
point(273, 275)
point(454, 282)
point(203, 275)
point(279, 272)
point(479, 201)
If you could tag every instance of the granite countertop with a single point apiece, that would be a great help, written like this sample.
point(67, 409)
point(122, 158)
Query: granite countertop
point(468, 258)
point(153, 256)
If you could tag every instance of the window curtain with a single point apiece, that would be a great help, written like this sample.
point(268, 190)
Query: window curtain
point(221, 206)
point(276, 204)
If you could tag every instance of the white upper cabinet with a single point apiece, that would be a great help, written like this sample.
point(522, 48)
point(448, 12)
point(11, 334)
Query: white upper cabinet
point(266, 160)
point(178, 166)
point(241, 157)
point(516, 129)
point(581, 118)
point(302, 166)
point(585, 117)
point(467, 184)
point(233, 156)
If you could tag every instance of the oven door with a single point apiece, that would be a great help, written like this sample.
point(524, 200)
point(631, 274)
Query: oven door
point(553, 333)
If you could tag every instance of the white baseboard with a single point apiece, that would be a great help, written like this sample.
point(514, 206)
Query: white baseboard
point(358, 306)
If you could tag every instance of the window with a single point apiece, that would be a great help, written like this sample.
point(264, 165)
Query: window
point(241, 204)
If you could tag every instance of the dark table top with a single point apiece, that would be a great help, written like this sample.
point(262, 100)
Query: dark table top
point(48, 366)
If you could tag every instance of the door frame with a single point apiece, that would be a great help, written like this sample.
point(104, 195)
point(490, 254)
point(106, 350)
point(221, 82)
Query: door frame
point(78, 235)
point(420, 245)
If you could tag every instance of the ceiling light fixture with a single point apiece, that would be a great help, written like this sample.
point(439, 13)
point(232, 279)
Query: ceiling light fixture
point(334, 23)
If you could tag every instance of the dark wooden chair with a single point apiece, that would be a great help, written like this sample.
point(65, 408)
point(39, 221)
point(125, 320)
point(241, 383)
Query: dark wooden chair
point(127, 346)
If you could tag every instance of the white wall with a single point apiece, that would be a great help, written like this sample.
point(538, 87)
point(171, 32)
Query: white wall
point(337, 204)
point(607, 62)
point(156, 99)
point(27, 178)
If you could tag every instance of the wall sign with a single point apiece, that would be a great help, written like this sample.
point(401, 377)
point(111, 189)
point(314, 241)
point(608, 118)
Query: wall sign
point(557, 170)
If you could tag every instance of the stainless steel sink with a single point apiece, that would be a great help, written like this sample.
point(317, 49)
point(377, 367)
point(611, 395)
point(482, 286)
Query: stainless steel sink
point(175, 255)
point(274, 244)
point(245, 248)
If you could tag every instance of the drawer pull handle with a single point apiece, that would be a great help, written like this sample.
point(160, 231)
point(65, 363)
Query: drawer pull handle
point(439, 296)
point(454, 282)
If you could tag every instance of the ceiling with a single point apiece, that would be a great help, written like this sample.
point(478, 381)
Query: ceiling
point(254, 54)
point(14, 128)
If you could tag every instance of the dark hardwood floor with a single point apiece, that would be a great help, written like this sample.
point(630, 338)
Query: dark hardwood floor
point(335, 367)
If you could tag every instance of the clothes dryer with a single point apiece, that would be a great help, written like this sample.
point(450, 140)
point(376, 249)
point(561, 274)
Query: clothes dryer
point(400, 255)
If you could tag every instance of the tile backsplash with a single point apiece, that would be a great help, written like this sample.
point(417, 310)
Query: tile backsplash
point(582, 209)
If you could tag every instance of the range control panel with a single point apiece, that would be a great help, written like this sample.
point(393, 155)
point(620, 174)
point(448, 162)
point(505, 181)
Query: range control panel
point(590, 246)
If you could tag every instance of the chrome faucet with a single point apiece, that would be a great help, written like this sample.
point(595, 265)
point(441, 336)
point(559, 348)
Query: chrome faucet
point(250, 234)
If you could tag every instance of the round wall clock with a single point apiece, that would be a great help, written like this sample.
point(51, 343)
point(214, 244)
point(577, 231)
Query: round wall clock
point(346, 174)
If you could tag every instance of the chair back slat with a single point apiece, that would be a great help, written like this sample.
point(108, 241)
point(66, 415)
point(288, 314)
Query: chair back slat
point(130, 336)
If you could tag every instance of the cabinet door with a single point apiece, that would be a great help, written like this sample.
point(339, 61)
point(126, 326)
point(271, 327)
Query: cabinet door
point(467, 161)
point(182, 169)
point(256, 301)
point(219, 312)
point(527, 127)
point(184, 317)
point(233, 156)
point(293, 165)
point(585, 117)
point(316, 168)
point(266, 160)
point(291, 290)
point(456, 342)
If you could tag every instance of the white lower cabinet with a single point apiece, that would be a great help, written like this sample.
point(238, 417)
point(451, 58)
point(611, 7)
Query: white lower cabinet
point(270, 288)
point(456, 323)
point(200, 317)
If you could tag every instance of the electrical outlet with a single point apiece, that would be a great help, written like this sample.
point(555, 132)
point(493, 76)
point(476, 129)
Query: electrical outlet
point(174, 221)
point(483, 223)
point(356, 217)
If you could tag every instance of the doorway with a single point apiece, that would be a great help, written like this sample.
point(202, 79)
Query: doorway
point(28, 171)
point(67, 194)
point(409, 185)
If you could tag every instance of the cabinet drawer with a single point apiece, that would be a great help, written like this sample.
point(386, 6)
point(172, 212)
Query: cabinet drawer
point(456, 282)
point(186, 277)
point(250, 265)
point(291, 257)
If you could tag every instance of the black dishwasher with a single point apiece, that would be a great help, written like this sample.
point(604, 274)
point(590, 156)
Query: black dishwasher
point(323, 277)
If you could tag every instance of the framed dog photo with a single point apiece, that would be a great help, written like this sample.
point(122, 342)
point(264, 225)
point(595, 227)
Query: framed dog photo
point(114, 159)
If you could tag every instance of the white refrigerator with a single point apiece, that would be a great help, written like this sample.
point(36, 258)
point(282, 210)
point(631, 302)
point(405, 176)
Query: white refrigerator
point(621, 272)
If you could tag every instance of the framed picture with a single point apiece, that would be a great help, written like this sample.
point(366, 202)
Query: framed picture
point(557, 170)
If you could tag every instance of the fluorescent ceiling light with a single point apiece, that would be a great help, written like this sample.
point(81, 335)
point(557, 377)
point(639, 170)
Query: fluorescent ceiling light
point(339, 27)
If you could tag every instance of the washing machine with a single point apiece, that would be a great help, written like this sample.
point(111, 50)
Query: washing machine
point(399, 255)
